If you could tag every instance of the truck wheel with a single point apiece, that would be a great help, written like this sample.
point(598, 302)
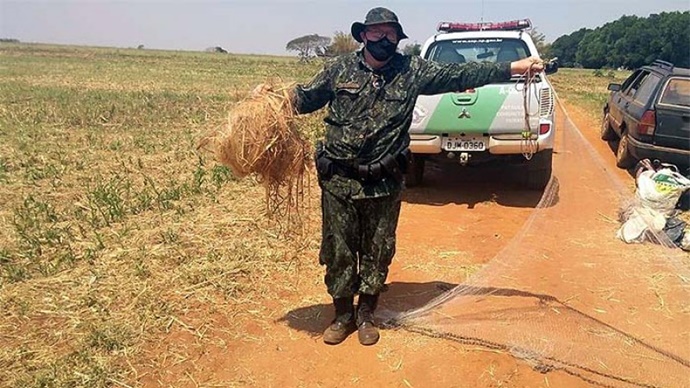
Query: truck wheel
point(607, 133)
point(415, 171)
point(623, 157)
point(539, 170)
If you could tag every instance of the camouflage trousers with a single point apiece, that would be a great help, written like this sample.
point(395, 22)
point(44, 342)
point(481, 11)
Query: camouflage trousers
point(358, 242)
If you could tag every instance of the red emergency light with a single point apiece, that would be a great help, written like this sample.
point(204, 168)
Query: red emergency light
point(514, 25)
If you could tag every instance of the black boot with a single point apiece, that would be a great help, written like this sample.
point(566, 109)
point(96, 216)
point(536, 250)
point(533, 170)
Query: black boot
point(366, 329)
point(343, 324)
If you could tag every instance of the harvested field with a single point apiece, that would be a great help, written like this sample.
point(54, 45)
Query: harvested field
point(128, 258)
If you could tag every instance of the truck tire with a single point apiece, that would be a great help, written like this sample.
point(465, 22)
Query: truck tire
point(415, 171)
point(607, 133)
point(539, 170)
point(624, 159)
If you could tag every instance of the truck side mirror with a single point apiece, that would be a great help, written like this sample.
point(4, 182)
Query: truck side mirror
point(551, 67)
point(614, 87)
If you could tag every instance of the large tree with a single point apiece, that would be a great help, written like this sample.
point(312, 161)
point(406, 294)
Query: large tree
point(539, 40)
point(308, 46)
point(565, 47)
point(342, 43)
point(412, 49)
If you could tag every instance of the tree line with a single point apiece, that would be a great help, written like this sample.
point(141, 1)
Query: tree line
point(628, 42)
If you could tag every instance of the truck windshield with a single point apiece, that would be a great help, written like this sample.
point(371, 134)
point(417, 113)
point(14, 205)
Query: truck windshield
point(478, 50)
point(677, 92)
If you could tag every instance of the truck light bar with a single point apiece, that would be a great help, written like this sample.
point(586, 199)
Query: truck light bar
point(522, 24)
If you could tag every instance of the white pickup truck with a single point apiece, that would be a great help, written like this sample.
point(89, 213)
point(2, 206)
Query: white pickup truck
point(488, 122)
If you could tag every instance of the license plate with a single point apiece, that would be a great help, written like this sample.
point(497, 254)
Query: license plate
point(464, 143)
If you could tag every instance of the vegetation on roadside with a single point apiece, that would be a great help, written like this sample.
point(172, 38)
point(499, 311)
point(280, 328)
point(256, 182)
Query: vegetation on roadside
point(586, 88)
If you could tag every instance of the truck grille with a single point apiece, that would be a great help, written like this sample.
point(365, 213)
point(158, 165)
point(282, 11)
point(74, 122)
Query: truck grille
point(545, 102)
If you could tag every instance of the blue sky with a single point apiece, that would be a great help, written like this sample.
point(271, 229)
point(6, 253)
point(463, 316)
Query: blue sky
point(265, 26)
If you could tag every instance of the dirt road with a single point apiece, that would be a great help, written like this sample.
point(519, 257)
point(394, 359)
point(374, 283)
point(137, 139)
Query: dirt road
point(459, 222)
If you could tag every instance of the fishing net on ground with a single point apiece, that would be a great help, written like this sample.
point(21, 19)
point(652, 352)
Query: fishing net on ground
point(262, 138)
point(562, 296)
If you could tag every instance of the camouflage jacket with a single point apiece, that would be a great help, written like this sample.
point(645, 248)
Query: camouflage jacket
point(370, 111)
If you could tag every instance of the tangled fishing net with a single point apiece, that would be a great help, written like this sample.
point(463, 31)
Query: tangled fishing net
point(262, 138)
point(566, 295)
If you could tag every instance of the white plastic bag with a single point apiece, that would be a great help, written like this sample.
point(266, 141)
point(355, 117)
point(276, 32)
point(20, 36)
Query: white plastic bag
point(660, 190)
point(640, 221)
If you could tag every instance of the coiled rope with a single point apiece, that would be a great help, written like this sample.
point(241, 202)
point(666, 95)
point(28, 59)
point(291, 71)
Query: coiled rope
point(528, 143)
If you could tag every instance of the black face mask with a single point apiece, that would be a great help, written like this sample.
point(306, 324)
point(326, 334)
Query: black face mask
point(382, 49)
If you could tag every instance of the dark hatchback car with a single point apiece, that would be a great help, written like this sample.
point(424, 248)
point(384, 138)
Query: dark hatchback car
point(650, 114)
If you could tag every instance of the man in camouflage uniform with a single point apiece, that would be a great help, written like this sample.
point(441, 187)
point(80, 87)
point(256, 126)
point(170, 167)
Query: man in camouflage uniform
point(371, 96)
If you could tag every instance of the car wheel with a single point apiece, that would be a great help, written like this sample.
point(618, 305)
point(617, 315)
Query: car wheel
point(539, 170)
point(415, 171)
point(623, 157)
point(607, 133)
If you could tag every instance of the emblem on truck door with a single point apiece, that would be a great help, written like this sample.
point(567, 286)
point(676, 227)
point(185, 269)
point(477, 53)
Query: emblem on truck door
point(464, 114)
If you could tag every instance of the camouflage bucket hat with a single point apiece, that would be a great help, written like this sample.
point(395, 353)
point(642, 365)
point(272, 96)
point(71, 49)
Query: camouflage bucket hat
point(378, 15)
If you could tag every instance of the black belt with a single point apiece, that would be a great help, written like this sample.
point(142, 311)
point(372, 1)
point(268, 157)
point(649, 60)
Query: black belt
point(363, 172)
point(387, 166)
point(346, 171)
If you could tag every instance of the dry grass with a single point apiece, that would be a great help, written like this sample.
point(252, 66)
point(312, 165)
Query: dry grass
point(585, 88)
point(263, 138)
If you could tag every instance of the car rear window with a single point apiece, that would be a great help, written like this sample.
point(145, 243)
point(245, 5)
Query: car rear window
point(677, 92)
point(478, 50)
